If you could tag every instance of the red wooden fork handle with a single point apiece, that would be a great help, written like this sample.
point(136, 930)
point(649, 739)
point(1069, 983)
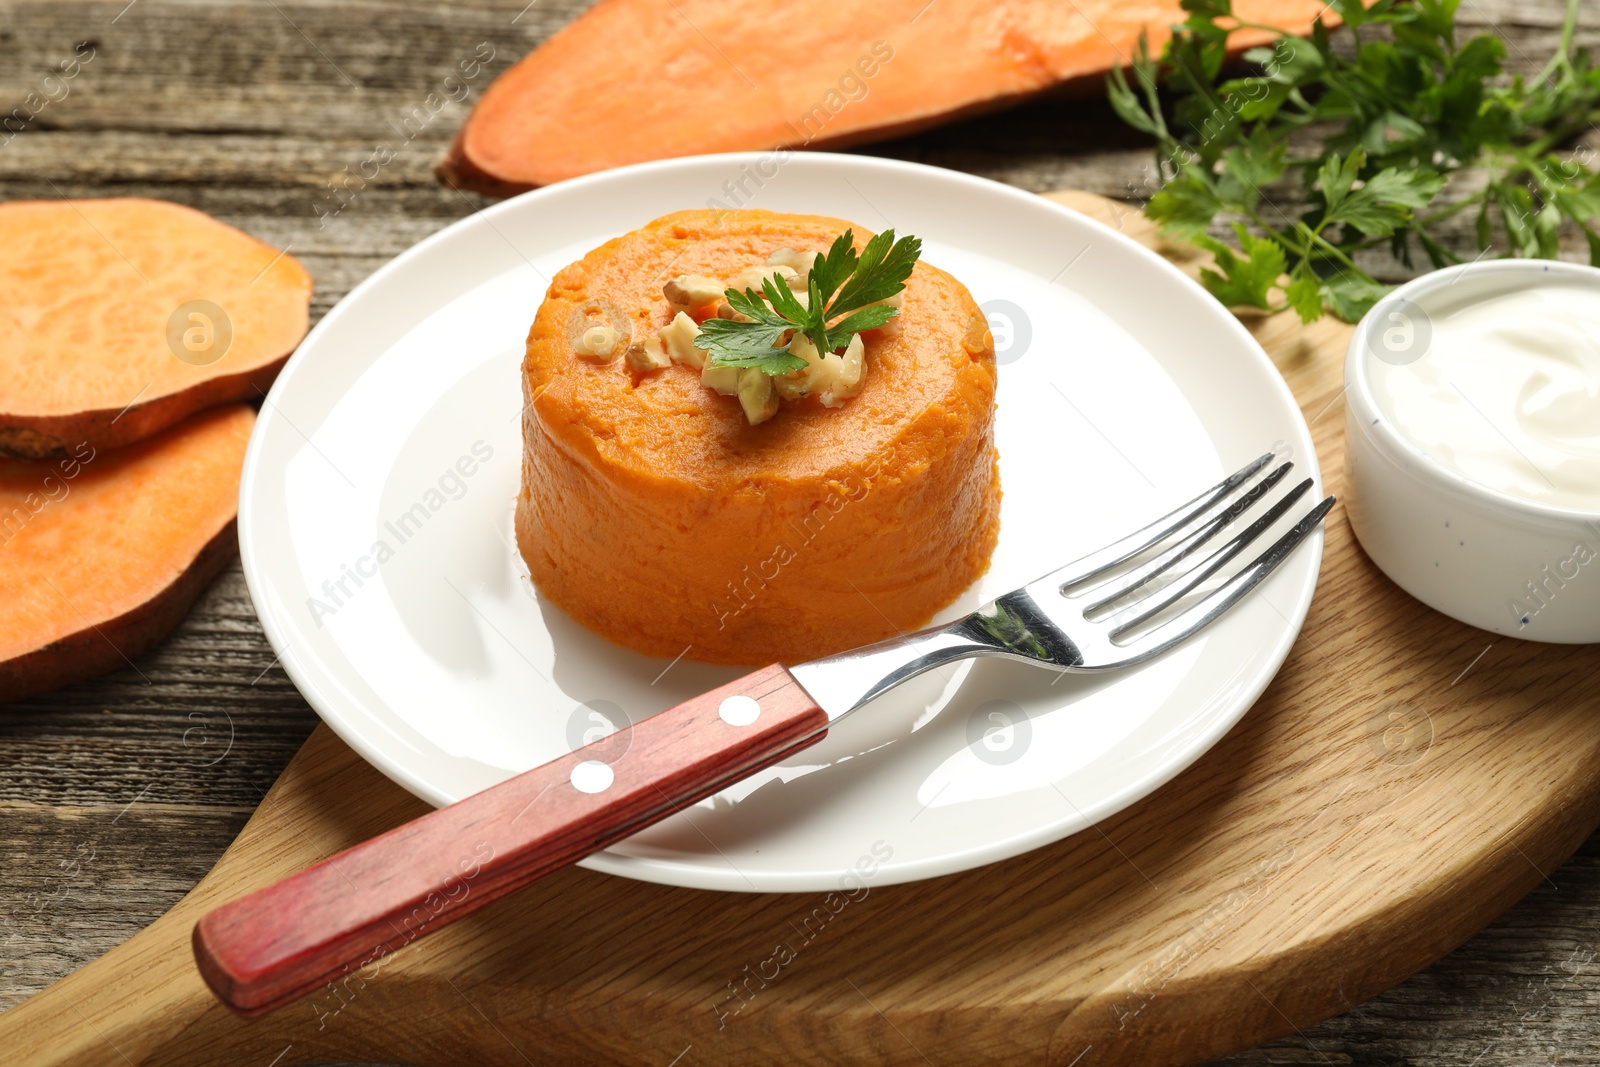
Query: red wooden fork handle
point(279, 943)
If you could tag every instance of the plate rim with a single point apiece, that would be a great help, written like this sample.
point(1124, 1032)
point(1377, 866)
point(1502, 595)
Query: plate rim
point(680, 873)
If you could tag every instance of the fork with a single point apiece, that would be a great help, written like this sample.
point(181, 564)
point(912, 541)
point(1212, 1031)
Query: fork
point(1114, 608)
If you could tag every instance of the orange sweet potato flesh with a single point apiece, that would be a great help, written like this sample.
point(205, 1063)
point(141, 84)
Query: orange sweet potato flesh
point(102, 552)
point(99, 339)
point(738, 75)
point(654, 514)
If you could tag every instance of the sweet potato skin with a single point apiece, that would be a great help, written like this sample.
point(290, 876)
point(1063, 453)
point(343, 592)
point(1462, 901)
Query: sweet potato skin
point(106, 646)
point(87, 349)
point(52, 436)
point(102, 555)
point(750, 75)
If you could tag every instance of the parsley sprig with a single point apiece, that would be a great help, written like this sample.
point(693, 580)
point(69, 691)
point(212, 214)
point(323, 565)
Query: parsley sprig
point(1393, 109)
point(842, 294)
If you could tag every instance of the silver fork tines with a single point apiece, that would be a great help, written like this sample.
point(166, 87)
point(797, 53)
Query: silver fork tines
point(1119, 552)
point(1116, 607)
point(1138, 599)
point(1235, 588)
point(1217, 560)
point(1137, 579)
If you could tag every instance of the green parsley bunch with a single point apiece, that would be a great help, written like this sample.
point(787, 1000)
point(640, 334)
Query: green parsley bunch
point(1397, 112)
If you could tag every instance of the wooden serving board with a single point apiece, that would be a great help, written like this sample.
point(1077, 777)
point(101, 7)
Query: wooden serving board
point(1403, 780)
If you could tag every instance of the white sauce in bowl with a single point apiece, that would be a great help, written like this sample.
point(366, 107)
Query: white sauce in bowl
point(1507, 391)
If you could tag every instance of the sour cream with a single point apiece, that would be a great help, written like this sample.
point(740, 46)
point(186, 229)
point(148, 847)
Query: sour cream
point(1506, 391)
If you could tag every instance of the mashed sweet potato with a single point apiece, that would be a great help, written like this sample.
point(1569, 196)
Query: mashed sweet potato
point(654, 514)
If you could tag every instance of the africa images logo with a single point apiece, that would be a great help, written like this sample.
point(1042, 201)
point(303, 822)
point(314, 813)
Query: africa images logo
point(451, 485)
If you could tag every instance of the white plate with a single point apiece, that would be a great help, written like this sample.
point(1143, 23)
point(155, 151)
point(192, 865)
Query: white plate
point(1131, 390)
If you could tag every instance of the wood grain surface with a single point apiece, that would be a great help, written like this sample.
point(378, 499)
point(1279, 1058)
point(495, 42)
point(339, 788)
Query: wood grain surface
point(117, 795)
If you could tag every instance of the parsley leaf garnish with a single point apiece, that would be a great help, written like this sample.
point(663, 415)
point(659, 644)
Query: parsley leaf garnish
point(843, 292)
point(1357, 130)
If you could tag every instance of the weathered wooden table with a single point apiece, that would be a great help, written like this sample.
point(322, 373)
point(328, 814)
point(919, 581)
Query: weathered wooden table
point(118, 794)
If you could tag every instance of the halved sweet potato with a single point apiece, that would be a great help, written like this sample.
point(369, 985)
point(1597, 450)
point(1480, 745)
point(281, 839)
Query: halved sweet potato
point(102, 552)
point(122, 317)
point(734, 75)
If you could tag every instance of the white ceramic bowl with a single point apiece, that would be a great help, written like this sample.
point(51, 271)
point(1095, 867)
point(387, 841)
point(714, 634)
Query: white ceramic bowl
point(1497, 561)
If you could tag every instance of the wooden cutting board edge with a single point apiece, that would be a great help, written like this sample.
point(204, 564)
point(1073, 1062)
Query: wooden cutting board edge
point(1209, 979)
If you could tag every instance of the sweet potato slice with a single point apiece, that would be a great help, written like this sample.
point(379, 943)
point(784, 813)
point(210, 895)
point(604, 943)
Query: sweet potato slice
point(122, 317)
point(734, 75)
point(102, 552)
